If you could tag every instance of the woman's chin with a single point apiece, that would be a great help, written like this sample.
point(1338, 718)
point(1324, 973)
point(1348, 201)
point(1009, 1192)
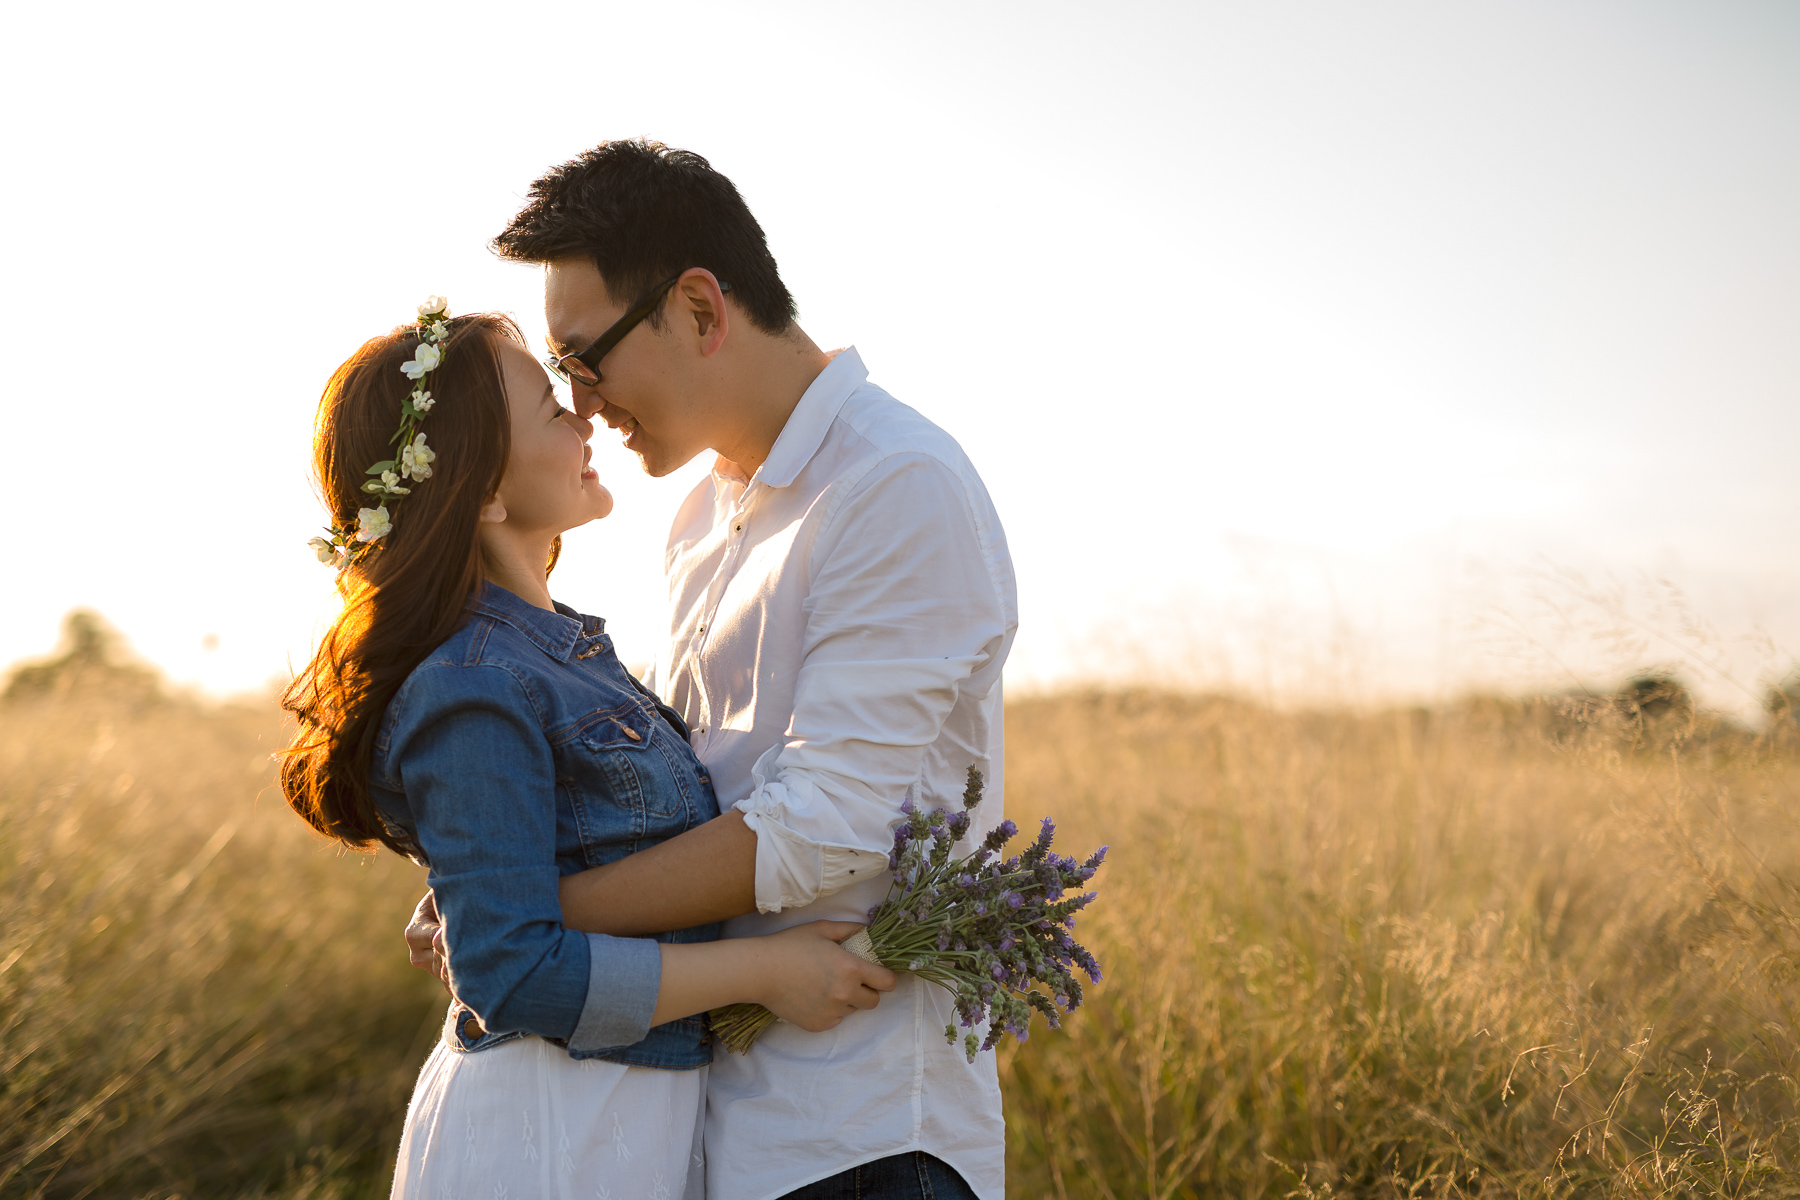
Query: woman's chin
point(600, 501)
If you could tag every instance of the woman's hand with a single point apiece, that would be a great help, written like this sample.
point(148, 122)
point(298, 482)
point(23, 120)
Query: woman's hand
point(811, 981)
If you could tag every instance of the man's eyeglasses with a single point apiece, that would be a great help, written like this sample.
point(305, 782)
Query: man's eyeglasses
point(583, 366)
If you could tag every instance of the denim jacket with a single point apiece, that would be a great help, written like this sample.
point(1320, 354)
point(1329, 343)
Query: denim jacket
point(518, 752)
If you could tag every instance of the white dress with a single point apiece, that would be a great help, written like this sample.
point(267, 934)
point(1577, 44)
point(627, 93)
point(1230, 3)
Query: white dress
point(524, 1121)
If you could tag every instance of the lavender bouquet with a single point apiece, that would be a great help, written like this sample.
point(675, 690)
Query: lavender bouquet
point(989, 931)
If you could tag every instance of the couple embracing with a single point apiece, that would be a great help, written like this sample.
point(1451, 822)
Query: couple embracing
point(612, 858)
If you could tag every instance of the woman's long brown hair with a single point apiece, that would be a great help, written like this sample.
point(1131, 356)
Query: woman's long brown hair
point(404, 596)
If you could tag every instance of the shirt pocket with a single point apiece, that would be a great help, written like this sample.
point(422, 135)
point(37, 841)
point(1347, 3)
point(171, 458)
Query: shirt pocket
point(620, 774)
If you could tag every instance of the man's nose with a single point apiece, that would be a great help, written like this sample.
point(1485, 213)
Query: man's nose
point(586, 401)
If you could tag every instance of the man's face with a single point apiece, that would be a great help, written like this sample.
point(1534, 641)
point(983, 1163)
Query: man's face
point(647, 389)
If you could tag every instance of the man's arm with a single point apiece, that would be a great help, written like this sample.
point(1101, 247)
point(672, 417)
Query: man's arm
point(706, 874)
point(909, 613)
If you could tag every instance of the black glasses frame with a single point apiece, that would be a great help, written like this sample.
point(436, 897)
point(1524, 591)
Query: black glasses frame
point(588, 360)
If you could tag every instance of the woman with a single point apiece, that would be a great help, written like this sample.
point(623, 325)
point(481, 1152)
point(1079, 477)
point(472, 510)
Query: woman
point(456, 714)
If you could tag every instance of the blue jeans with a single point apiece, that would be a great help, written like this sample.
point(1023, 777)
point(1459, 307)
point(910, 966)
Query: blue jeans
point(915, 1175)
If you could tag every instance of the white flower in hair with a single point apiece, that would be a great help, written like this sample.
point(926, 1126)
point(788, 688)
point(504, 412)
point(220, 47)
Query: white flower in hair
point(416, 460)
point(372, 523)
point(425, 359)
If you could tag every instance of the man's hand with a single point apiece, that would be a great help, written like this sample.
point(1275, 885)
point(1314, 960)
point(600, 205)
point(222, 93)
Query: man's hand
point(425, 940)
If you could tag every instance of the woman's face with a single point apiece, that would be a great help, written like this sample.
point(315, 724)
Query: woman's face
point(547, 486)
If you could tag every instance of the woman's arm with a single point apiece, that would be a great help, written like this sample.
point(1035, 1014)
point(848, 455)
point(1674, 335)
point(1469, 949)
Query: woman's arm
point(704, 875)
point(801, 975)
point(470, 755)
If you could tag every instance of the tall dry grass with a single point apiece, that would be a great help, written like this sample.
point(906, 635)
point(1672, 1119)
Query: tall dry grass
point(1487, 951)
point(1503, 950)
point(197, 997)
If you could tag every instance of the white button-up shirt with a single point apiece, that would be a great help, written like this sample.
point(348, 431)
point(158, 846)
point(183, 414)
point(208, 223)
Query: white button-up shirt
point(838, 625)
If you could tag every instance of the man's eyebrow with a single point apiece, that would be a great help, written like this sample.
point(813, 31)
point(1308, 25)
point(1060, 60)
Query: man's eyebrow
point(560, 348)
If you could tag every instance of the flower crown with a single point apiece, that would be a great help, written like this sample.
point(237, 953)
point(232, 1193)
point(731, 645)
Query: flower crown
point(415, 458)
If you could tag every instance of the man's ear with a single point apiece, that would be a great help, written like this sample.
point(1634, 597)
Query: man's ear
point(702, 308)
point(493, 512)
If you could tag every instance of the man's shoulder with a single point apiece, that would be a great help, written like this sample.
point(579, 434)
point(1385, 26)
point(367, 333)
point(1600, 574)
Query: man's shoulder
point(875, 426)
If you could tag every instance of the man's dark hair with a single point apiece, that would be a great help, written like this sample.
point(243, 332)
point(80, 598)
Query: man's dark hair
point(643, 212)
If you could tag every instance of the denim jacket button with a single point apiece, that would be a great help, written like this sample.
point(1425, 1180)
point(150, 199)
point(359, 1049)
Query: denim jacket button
point(472, 1029)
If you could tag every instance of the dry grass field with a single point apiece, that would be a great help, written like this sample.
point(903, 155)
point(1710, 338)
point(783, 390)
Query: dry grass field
point(1493, 950)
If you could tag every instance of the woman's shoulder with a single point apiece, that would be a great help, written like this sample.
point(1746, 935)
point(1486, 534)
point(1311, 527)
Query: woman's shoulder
point(481, 666)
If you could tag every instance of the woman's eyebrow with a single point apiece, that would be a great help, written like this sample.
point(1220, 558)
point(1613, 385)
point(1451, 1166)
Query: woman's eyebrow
point(550, 395)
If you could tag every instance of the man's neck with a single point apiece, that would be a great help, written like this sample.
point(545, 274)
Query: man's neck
point(771, 374)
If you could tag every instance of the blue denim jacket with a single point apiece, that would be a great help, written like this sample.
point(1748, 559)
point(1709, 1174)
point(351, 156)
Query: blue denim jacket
point(520, 751)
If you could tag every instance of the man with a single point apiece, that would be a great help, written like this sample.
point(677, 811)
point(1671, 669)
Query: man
point(842, 603)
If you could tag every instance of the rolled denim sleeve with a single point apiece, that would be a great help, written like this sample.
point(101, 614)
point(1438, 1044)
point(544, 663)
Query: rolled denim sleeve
point(904, 616)
point(480, 781)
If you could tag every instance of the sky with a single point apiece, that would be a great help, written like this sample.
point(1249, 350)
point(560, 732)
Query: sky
point(1308, 349)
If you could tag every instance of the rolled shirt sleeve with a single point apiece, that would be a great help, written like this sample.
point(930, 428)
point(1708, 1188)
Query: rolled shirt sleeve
point(480, 782)
point(905, 616)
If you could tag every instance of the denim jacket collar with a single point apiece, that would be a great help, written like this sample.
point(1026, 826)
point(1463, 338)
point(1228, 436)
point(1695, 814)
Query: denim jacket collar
point(555, 633)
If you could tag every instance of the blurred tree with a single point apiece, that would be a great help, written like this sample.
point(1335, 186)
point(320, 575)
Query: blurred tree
point(1656, 704)
point(1783, 700)
point(93, 660)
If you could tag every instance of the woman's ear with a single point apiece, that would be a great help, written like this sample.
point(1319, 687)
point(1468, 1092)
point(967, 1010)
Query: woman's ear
point(493, 512)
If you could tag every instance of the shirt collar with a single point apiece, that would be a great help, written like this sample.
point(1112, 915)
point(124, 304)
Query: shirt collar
point(555, 633)
point(812, 417)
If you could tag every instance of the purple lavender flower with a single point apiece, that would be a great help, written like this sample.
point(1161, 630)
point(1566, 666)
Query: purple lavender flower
point(990, 929)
